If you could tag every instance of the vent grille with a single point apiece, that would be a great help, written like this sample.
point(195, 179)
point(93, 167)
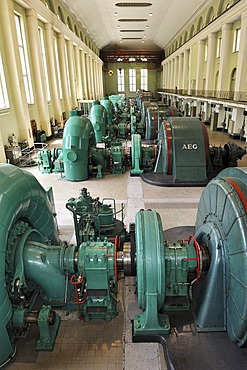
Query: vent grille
point(131, 30)
point(137, 5)
point(132, 20)
point(131, 38)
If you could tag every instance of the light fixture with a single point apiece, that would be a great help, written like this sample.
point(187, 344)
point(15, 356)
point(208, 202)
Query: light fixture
point(118, 26)
point(147, 26)
point(144, 36)
point(144, 59)
point(143, 41)
point(150, 14)
point(132, 59)
point(115, 13)
point(119, 59)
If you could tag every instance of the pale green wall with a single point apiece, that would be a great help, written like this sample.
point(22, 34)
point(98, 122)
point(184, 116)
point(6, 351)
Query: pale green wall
point(110, 82)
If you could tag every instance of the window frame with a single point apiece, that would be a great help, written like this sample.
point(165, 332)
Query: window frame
point(218, 48)
point(120, 80)
point(132, 79)
point(236, 40)
point(44, 62)
point(4, 99)
point(144, 79)
point(25, 65)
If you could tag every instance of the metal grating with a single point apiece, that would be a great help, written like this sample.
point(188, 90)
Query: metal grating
point(137, 5)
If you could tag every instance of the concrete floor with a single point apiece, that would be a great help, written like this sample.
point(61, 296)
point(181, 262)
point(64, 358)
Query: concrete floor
point(99, 344)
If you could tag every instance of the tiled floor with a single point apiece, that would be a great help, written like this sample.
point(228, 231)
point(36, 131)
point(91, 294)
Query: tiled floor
point(99, 344)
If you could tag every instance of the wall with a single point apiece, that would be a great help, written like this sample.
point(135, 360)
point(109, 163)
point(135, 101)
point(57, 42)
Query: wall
point(110, 82)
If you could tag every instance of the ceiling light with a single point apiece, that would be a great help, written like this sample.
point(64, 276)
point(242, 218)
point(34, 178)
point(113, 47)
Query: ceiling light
point(144, 36)
point(150, 14)
point(118, 26)
point(119, 59)
point(144, 59)
point(147, 26)
point(116, 13)
point(143, 41)
point(132, 59)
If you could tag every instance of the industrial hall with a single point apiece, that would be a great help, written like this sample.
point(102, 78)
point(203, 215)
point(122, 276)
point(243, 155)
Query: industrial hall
point(123, 185)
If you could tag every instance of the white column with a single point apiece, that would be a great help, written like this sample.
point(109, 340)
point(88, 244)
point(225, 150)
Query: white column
point(180, 71)
point(240, 85)
point(167, 76)
point(175, 79)
point(51, 64)
point(210, 67)
point(101, 82)
point(190, 70)
point(200, 63)
point(79, 89)
point(9, 39)
point(84, 75)
point(223, 83)
point(38, 71)
point(97, 80)
point(91, 76)
point(172, 75)
point(63, 71)
point(186, 70)
point(71, 66)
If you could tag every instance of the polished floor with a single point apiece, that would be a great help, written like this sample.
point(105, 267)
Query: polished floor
point(100, 345)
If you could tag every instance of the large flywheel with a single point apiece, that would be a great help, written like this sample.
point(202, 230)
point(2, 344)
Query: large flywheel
point(222, 225)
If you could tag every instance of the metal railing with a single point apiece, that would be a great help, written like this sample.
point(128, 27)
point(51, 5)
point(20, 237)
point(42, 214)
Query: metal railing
point(238, 96)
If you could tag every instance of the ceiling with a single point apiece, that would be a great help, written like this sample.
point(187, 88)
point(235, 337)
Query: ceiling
point(147, 27)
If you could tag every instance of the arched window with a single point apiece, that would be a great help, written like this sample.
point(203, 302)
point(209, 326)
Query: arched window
point(192, 31)
point(210, 15)
point(50, 5)
point(76, 30)
point(69, 23)
point(199, 25)
point(60, 14)
point(185, 37)
point(223, 5)
point(233, 80)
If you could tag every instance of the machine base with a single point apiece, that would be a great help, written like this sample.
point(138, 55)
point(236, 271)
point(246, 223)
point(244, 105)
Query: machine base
point(159, 179)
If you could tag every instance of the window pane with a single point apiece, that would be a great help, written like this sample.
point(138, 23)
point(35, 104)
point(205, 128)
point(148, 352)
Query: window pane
point(144, 79)
point(120, 80)
point(43, 56)
point(132, 80)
